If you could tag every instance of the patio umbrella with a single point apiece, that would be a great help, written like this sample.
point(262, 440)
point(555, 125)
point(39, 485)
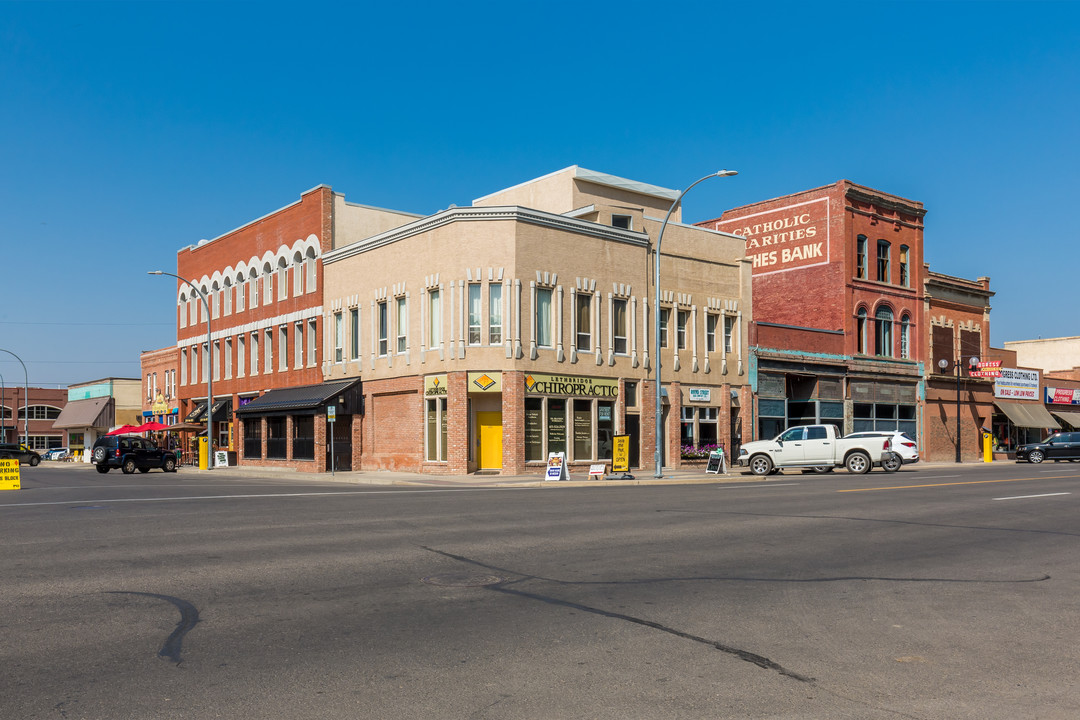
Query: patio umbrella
point(123, 429)
point(150, 427)
point(186, 427)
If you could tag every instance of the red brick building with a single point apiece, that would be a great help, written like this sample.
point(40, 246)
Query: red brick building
point(838, 307)
point(42, 405)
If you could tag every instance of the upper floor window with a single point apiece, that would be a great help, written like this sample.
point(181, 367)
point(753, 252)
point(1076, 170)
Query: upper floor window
point(710, 332)
point(729, 333)
point(905, 278)
point(883, 344)
point(384, 328)
point(402, 325)
point(495, 319)
point(681, 319)
point(626, 222)
point(354, 333)
point(883, 261)
point(434, 318)
point(584, 321)
point(339, 337)
point(665, 315)
point(860, 331)
point(474, 313)
point(905, 336)
point(860, 257)
point(268, 286)
point(240, 294)
point(618, 325)
point(543, 317)
point(282, 280)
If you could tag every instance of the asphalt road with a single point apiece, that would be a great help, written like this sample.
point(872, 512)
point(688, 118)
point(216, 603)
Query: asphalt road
point(936, 592)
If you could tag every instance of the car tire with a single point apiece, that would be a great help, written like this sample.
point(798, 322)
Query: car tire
point(102, 469)
point(128, 467)
point(34, 460)
point(99, 455)
point(1036, 457)
point(857, 463)
point(892, 463)
point(822, 469)
point(144, 470)
point(761, 465)
point(170, 464)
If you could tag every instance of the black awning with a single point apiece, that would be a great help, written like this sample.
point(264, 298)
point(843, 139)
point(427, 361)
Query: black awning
point(196, 414)
point(306, 399)
point(222, 410)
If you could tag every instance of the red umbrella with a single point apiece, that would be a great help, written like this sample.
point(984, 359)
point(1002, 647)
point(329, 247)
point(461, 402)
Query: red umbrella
point(150, 426)
point(123, 429)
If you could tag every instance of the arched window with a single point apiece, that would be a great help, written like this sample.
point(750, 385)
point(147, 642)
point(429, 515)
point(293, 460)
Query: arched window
point(183, 309)
point(883, 320)
point(905, 336)
point(298, 274)
point(860, 330)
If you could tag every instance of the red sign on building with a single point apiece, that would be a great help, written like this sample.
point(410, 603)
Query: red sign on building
point(788, 238)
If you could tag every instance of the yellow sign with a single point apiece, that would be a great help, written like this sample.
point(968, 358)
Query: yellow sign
point(160, 407)
point(9, 475)
point(571, 385)
point(435, 386)
point(485, 382)
point(620, 454)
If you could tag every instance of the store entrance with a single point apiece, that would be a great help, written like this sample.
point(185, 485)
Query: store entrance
point(633, 429)
point(489, 431)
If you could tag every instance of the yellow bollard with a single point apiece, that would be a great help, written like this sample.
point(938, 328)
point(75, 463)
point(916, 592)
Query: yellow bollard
point(988, 447)
point(204, 453)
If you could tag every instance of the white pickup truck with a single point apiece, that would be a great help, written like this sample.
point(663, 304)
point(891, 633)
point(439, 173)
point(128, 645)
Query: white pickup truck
point(817, 447)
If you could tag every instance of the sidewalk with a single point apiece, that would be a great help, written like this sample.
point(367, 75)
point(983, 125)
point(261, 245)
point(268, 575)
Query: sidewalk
point(696, 476)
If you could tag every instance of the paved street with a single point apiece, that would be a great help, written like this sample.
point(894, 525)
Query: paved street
point(936, 592)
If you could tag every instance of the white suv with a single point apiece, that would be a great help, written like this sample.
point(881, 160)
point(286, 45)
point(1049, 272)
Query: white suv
point(902, 444)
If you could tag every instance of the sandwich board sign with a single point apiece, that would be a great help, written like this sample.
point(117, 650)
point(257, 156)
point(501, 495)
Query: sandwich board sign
point(9, 475)
point(716, 462)
point(620, 454)
point(556, 467)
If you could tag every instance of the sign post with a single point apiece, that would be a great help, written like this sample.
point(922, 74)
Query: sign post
point(331, 416)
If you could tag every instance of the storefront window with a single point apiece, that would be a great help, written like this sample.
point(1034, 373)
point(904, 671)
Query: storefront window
point(276, 440)
point(303, 446)
point(583, 429)
point(686, 427)
point(556, 425)
point(605, 429)
point(707, 432)
point(435, 428)
point(253, 438)
point(534, 429)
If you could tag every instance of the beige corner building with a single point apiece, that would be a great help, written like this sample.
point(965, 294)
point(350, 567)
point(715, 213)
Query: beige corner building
point(487, 337)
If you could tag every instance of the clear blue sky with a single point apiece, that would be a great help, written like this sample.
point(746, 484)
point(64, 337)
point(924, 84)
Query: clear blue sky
point(131, 130)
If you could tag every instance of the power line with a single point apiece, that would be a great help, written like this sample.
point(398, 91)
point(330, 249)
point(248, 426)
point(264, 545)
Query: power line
point(86, 324)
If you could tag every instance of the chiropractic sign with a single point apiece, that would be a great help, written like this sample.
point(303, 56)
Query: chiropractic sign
point(788, 238)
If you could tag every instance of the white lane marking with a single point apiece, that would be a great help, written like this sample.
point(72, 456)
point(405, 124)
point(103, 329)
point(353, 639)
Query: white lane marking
point(754, 487)
point(248, 497)
point(1025, 497)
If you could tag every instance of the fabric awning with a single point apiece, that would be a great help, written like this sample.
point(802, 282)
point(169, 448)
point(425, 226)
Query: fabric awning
point(1071, 418)
point(197, 413)
point(1028, 416)
point(287, 400)
point(222, 410)
point(88, 413)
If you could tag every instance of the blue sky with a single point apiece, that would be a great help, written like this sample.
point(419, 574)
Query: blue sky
point(131, 130)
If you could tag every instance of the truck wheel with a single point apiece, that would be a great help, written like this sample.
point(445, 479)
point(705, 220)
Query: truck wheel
point(822, 469)
point(128, 467)
point(892, 463)
point(857, 463)
point(170, 464)
point(102, 468)
point(761, 465)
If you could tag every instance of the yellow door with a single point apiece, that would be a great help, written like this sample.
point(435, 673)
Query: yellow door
point(490, 427)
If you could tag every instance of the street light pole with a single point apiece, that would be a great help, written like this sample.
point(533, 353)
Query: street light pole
point(209, 367)
point(26, 401)
point(3, 410)
point(658, 455)
point(943, 363)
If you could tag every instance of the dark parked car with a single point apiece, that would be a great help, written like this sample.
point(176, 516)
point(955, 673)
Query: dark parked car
point(131, 453)
point(18, 451)
point(1057, 447)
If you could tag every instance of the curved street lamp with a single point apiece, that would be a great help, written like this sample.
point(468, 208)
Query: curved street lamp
point(209, 369)
point(26, 401)
point(658, 455)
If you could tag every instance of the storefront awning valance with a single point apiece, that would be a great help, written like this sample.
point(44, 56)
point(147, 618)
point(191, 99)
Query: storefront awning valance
point(1071, 418)
point(307, 398)
point(197, 413)
point(88, 413)
point(1028, 416)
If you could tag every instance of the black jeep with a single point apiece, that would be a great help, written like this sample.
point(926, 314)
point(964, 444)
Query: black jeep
point(131, 453)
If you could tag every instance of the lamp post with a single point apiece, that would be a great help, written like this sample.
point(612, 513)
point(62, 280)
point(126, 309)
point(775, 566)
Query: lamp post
point(658, 455)
point(209, 368)
point(26, 400)
point(3, 410)
point(943, 363)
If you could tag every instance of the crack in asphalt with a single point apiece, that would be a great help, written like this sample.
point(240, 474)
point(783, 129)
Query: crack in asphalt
point(759, 660)
point(189, 617)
